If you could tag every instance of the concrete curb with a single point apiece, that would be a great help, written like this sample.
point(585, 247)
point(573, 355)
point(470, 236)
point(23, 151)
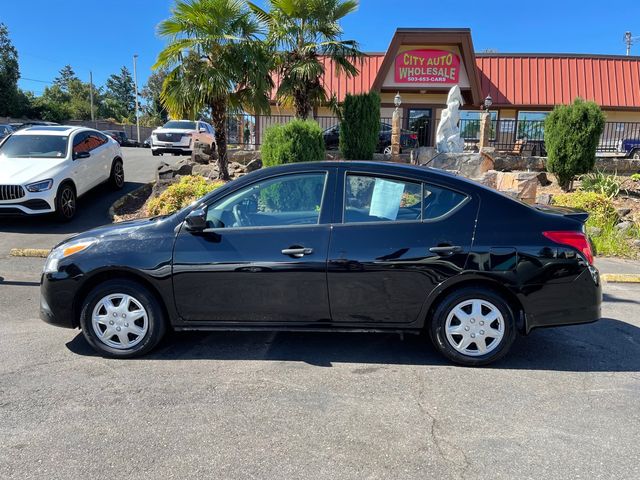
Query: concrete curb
point(29, 252)
point(119, 202)
point(620, 277)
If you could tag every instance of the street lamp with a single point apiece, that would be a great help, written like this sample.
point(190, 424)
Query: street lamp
point(397, 100)
point(488, 102)
point(135, 84)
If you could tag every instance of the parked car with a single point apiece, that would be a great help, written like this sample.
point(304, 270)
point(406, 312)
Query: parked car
point(331, 246)
point(34, 123)
point(178, 137)
point(5, 130)
point(408, 139)
point(630, 147)
point(45, 169)
point(121, 137)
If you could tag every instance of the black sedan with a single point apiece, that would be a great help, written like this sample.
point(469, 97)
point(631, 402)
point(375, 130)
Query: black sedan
point(331, 246)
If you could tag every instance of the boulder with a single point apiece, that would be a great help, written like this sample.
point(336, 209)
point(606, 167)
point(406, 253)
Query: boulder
point(524, 183)
point(624, 225)
point(243, 157)
point(253, 165)
point(636, 242)
point(490, 179)
point(623, 212)
point(470, 165)
point(542, 178)
point(201, 153)
point(208, 171)
point(594, 231)
point(544, 199)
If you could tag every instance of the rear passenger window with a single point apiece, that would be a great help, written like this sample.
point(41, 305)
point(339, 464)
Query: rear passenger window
point(376, 199)
point(439, 201)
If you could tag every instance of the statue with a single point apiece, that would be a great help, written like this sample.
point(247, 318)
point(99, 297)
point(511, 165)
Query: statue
point(448, 134)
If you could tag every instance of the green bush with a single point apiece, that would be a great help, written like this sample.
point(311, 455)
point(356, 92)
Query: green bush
point(603, 218)
point(296, 141)
point(186, 191)
point(635, 177)
point(360, 126)
point(600, 182)
point(571, 135)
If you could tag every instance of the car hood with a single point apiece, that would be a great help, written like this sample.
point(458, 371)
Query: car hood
point(15, 171)
point(172, 130)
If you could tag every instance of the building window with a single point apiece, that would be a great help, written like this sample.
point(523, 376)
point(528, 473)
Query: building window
point(419, 121)
point(531, 125)
point(470, 125)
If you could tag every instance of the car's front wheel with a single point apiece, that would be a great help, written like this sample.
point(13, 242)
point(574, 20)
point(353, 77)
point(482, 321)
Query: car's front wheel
point(116, 179)
point(473, 326)
point(122, 319)
point(66, 202)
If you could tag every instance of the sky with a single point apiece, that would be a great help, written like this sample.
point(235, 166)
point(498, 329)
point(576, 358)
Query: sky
point(101, 36)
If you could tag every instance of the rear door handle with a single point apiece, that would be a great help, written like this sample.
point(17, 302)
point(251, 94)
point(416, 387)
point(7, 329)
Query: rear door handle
point(446, 250)
point(297, 252)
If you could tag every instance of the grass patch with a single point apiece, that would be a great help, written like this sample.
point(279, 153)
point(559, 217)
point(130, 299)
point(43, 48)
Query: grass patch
point(603, 218)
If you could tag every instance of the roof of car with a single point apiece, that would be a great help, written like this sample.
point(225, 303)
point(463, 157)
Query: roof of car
point(50, 130)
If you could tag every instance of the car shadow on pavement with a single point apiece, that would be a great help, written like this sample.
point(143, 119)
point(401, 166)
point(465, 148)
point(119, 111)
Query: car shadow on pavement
point(605, 346)
point(92, 212)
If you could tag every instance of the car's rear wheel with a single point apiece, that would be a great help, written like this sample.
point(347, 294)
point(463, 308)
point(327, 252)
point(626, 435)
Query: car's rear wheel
point(66, 202)
point(116, 179)
point(473, 326)
point(636, 154)
point(122, 319)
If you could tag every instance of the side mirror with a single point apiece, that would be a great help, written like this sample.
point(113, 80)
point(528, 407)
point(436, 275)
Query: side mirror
point(80, 155)
point(203, 130)
point(196, 220)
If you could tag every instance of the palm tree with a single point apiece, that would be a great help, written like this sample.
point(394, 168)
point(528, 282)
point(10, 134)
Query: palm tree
point(215, 61)
point(300, 33)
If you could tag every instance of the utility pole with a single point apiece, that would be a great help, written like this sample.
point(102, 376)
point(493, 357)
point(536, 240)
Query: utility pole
point(629, 40)
point(135, 84)
point(93, 117)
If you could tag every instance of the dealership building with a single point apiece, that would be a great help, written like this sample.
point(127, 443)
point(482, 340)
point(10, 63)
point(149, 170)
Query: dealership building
point(422, 64)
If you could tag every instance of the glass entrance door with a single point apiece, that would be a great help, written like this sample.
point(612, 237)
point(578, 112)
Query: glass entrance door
point(420, 122)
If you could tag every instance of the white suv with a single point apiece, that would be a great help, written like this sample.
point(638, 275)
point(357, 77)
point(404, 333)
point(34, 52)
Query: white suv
point(178, 137)
point(45, 169)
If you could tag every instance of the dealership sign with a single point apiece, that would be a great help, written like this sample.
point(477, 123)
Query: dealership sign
point(427, 66)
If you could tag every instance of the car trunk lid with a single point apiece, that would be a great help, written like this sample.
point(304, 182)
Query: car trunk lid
point(573, 213)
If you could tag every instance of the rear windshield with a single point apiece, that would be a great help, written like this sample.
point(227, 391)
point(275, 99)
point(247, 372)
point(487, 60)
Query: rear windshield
point(181, 125)
point(35, 146)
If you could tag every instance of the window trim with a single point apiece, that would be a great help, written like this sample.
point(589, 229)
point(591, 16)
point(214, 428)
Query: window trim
point(450, 212)
point(378, 175)
point(325, 172)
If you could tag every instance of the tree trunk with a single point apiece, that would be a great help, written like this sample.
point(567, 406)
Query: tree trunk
point(219, 120)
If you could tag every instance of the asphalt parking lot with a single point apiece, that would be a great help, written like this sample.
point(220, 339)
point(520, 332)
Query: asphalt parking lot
point(562, 405)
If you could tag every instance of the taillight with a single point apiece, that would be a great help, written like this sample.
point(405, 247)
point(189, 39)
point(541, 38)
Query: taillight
point(413, 136)
point(577, 240)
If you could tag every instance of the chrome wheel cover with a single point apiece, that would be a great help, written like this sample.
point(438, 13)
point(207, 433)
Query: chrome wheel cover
point(474, 327)
point(120, 321)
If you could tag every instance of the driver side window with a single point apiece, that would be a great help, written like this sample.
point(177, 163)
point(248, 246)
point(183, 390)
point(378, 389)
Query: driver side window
point(286, 200)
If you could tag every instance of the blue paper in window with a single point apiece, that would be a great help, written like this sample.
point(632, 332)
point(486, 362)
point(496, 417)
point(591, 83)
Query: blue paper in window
point(386, 198)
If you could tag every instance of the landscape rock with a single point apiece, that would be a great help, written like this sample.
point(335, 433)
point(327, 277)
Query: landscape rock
point(471, 165)
point(243, 157)
point(525, 184)
point(623, 212)
point(594, 231)
point(253, 165)
point(490, 179)
point(624, 226)
point(545, 199)
point(542, 178)
point(636, 242)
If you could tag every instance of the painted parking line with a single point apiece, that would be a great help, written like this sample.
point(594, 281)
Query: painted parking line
point(29, 252)
point(620, 277)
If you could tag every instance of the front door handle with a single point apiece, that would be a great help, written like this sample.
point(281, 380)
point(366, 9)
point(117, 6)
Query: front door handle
point(297, 252)
point(446, 250)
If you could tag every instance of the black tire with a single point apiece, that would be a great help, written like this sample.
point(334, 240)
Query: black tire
point(66, 202)
point(437, 328)
point(116, 177)
point(155, 321)
point(155, 154)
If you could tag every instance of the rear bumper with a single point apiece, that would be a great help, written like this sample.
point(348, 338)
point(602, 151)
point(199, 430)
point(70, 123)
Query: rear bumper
point(179, 150)
point(560, 304)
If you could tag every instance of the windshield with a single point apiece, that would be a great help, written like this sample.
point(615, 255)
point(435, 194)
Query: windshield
point(180, 125)
point(35, 146)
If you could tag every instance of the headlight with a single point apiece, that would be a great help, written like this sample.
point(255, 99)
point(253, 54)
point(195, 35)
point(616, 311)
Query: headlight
point(41, 186)
point(66, 250)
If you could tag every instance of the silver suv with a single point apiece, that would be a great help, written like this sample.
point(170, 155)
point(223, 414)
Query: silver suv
point(178, 137)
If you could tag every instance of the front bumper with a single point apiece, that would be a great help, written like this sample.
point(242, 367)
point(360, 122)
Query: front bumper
point(31, 204)
point(57, 296)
